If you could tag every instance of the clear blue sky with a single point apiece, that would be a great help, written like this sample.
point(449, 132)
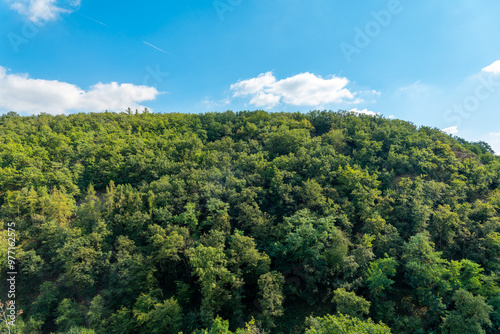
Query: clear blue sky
point(429, 62)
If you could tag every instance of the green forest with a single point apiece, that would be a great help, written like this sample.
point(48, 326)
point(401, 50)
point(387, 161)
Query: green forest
point(247, 222)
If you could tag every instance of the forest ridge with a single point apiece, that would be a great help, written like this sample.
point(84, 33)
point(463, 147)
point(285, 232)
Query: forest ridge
point(248, 222)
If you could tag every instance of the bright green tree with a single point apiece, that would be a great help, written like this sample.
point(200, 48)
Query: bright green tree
point(271, 297)
point(350, 304)
point(210, 265)
point(344, 324)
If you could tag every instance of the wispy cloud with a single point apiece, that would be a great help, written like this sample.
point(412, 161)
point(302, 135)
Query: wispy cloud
point(40, 11)
point(22, 94)
point(305, 89)
point(493, 138)
point(157, 48)
point(87, 17)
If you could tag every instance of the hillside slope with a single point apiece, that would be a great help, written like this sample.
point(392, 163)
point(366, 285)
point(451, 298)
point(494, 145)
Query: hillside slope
point(160, 223)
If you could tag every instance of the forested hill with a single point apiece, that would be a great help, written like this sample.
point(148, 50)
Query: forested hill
point(161, 223)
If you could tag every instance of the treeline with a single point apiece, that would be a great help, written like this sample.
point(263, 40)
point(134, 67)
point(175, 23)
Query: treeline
point(249, 222)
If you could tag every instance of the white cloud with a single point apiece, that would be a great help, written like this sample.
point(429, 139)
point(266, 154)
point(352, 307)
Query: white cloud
point(493, 139)
point(262, 99)
point(452, 130)
point(363, 112)
point(44, 10)
point(254, 85)
point(305, 89)
point(20, 93)
point(493, 68)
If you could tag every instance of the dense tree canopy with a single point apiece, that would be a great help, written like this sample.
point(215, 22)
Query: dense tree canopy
point(249, 222)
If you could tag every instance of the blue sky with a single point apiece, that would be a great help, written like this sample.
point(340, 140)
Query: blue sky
point(429, 62)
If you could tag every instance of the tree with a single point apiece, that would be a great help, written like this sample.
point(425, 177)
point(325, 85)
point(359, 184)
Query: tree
point(218, 217)
point(311, 196)
point(168, 244)
point(157, 317)
point(244, 258)
point(44, 307)
point(426, 272)
point(85, 257)
point(220, 326)
point(470, 315)
point(61, 206)
point(344, 324)
point(69, 315)
point(350, 304)
point(89, 211)
point(131, 274)
point(98, 315)
point(122, 322)
point(271, 297)
point(380, 284)
point(443, 226)
point(310, 240)
point(209, 264)
point(80, 330)
point(189, 217)
point(378, 276)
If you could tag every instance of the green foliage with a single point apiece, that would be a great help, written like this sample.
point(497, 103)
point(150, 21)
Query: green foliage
point(157, 317)
point(244, 258)
point(426, 272)
point(130, 273)
point(312, 240)
point(209, 265)
point(133, 223)
point(378, 275)
point(3, 248)
point(220, 326)
point(350, 304)
point(122, 321)
point(344, 324)
point(80, 330)
point(271, 296)
point(69, 315)
point(98, 315)
point(471, 314)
